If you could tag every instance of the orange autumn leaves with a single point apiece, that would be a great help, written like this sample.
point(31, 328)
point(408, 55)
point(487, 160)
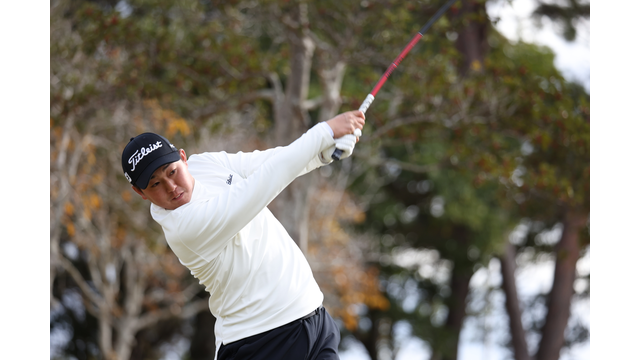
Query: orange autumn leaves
point(337, 257)
point(167, 119)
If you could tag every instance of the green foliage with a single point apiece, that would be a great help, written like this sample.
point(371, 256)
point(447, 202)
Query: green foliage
point(507, 142)
point(452, 162)
point(565, 15)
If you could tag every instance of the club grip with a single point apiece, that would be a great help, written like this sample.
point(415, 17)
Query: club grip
point(337, 153)
point(366, 103)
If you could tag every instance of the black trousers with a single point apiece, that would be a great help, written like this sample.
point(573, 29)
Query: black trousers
point(314, 337)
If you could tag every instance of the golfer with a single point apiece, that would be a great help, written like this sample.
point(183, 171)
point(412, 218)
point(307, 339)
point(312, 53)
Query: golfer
point(213, 211)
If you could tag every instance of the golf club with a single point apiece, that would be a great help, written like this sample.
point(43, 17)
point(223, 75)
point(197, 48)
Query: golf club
point(369, 99)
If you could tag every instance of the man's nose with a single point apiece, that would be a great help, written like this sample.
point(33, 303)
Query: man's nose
point(170, 186)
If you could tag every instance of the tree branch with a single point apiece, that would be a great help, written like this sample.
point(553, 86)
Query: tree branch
point(152, 318)
point(512, 303)
point(91, 294)
point(264, 94)
point(398, 123)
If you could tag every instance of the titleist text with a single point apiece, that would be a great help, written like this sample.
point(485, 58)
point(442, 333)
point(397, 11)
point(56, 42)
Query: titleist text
point(139, 155)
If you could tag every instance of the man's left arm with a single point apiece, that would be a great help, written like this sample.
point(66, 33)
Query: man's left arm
point(246, 164)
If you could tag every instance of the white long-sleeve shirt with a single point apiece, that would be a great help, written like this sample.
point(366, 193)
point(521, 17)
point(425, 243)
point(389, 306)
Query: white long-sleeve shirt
point(257, 277)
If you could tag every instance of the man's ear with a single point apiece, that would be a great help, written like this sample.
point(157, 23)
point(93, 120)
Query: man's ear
point(139, 191)
point(183, 155)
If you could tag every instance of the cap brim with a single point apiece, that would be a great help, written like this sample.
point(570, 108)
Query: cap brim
point(143, 180)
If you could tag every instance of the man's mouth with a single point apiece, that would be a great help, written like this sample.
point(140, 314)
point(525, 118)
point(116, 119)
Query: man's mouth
point(179, 196)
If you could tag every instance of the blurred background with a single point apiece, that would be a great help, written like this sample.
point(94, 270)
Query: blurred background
point(459, 228)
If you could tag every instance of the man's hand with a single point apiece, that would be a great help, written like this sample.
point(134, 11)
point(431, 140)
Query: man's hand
point(346, 123)
point(346, 143)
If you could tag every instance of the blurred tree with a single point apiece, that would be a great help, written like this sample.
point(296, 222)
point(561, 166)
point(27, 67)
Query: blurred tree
point(554, 171)
point(565, 13)
point(470, 135)
point(102, 246)
point(491, 133)
point(239, 73)
point(555, 159)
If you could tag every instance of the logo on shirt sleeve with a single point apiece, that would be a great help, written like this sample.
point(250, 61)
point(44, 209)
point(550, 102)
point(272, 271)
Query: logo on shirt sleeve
point(229, 179)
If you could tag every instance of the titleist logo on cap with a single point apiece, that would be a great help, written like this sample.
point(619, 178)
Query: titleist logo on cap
point(139, 155)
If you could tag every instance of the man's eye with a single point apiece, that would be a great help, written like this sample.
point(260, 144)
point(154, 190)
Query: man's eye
point(172, 171)
point(154, 184)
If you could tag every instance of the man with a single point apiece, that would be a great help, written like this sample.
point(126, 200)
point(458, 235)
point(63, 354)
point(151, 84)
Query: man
point(213, 211)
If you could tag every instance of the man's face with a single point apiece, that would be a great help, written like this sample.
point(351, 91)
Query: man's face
point(170, 186)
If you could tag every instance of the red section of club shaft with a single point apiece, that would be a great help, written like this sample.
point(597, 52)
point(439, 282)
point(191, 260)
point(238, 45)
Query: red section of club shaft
point(395, 63)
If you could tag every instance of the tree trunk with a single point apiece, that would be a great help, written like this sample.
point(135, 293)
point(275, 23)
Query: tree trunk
point(472, 37)
point(291, 121)
point(449, 337)
point(291, 207)
point(471, 43)
point(457, 311)
point(559, 301)
point(203, 342)
point(512, 303)
point(331, 75)
point(370, 338)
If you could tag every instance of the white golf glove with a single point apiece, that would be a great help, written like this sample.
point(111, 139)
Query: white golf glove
point(346, 143)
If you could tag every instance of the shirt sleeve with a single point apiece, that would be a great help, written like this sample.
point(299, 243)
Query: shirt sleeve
point(207, 225)
point(246, 164)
